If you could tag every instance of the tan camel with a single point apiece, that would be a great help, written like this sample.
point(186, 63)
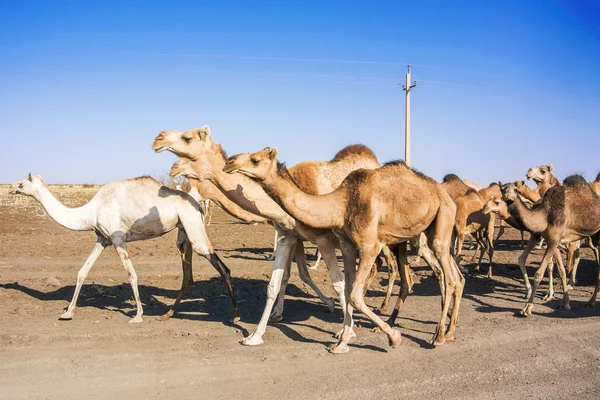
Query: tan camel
point(209, 159)
point(368, 212)
point(207, 190)
point(470, 219)
point(542, 176)
point(130, 210)
point(186, 168)
point(573, 253)
point(566, 214)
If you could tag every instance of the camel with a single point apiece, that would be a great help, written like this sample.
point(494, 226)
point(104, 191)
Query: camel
point(209, 159)
point(369, 210)
point(131, 210)
point(542, 176)
point(207, 210)
point(185, 167)
point(567, 213)
point(470, 219)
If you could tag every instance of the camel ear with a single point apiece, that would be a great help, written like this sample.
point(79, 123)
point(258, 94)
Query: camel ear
point(29, 177)
point(500, 183)
point(550, 167)
point(204, 132)
point(522, 183)
point(273, 153)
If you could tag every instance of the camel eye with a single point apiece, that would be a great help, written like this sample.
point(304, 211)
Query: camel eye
point(254, 161)
point(187, 139)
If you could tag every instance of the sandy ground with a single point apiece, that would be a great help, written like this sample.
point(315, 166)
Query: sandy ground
point(554, 354)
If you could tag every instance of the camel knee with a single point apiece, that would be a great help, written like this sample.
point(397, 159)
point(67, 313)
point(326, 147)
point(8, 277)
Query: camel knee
point(339, 288)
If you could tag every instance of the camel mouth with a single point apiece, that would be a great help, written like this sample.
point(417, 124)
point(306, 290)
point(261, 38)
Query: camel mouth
point(160, 148)
point(13, 191)
point(230, 169)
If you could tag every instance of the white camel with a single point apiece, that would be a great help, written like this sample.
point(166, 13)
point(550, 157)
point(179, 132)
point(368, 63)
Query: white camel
point(130, 210)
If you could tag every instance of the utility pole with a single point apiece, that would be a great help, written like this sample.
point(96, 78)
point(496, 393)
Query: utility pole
point(407, 88)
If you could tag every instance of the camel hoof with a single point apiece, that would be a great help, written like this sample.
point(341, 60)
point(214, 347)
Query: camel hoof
point(251, 341)
point(394, 338)
point(566, 307)
point(524, 313)
point(136, 320)
point(330, 303)
point(276, 318)
point(165, 316)
point(589, 304)
point(236, 318)
point(569, 287)
point(438, 340)
point(66, 316)
point(338, 335)
point(339, 348)
point(548, 297)
point(272, 258)
point(449, 336)
point(312, 267)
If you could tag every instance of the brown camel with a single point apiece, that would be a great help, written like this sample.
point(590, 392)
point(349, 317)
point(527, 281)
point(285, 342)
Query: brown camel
point(367, 212)
point(209, 159)
point(566, 214)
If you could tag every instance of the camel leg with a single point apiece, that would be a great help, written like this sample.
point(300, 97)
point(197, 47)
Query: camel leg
point(349, 253)
point(392, 274)
point(573, 259)
point(277, 312)
point(368, 253)
point(550, 293)
point(376, 265)
point(225, 273)
point(327, 249)
point(405, 282)
point(523, 240)
point(453, 281)
point(316, 264)
point(459, 282)
point(119, 245)
point(185, 252)
point(592, 302)
point(99, 247)
point(272, 258)
point(209, 213)
point(501, 230)
point(283, 257)
point(550, 249)
point(563, 279)
point(305, 276)
point(523, 260)
point(489, 234)
point(483, 247)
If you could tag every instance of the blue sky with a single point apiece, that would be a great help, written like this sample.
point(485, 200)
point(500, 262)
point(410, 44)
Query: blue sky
point(502, 85)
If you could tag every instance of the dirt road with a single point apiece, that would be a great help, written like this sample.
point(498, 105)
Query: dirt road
point(554, 354)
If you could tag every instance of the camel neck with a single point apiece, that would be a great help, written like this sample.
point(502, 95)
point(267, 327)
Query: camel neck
point(209, 191)
point(77, 219)
point(533, 220)
point(317, 211)
point(248, 195)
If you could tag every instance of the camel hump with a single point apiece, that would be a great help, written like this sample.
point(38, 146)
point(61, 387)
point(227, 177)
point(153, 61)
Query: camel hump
point(354, 150)
point(450, 178)
point(597, 177)
point(578, 184)
point(575, 182)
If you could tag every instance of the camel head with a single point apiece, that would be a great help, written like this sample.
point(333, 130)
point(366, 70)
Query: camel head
point(184, 167)
point(192, 144)
point(541, 173)
point(27, 187)
point(493, 206)
point(257, 166)
point(510, 192)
